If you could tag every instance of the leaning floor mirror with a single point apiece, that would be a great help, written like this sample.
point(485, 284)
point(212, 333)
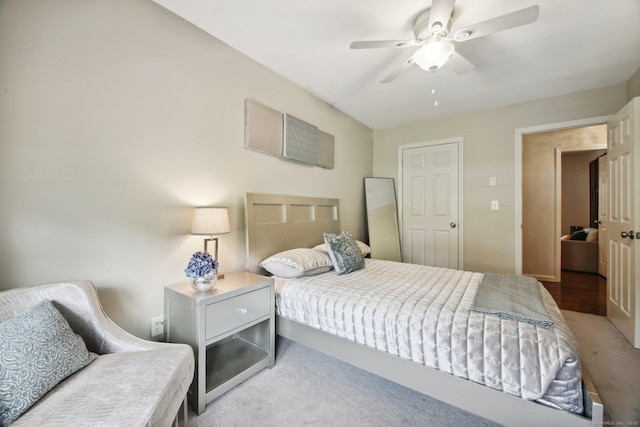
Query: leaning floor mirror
point(382, 218)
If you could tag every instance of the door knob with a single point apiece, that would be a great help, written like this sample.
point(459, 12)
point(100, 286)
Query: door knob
point(453, 225)
point(630, 235)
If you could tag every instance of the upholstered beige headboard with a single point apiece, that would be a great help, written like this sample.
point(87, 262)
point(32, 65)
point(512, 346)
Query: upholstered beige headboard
point(275, 223)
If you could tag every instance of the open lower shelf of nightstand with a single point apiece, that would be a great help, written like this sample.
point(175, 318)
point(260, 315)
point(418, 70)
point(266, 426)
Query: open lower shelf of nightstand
point(230, 357)
point(230, 328)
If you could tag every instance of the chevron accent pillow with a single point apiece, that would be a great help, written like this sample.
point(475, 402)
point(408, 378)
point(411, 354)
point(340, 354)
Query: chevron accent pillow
point(38, 349)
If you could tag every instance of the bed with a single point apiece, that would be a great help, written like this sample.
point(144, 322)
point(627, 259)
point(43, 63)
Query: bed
point(448, 371)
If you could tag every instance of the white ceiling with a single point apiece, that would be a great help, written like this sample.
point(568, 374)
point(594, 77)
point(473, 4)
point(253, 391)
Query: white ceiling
point(574, 45)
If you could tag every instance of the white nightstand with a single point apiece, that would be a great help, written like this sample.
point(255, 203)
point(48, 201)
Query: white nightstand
point(230, 328)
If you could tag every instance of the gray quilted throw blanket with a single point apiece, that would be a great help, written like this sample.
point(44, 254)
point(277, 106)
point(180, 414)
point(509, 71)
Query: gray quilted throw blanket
point(511, 297)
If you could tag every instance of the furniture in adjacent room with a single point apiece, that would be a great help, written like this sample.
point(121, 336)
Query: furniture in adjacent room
point(579, 251)
point(231, 329)
point(124, 380)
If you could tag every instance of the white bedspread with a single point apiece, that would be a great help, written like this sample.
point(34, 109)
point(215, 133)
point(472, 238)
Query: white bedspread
point(423, 314)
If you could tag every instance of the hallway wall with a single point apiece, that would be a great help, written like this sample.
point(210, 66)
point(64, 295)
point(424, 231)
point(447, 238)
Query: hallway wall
point(541, 209)
point(575, 189)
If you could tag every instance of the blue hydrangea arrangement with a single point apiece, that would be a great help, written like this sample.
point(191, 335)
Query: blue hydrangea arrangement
point(201, 264)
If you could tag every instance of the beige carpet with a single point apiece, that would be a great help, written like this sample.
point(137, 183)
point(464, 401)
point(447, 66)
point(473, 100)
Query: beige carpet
point(613, 365)
point(309, 388)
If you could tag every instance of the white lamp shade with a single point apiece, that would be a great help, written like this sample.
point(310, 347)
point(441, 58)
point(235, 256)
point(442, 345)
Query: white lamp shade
point(433, 55)
point(210, 221)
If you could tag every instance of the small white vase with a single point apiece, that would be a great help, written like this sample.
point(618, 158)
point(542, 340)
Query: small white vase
point(204, 283)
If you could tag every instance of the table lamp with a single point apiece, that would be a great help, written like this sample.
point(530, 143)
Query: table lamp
point(211, 221)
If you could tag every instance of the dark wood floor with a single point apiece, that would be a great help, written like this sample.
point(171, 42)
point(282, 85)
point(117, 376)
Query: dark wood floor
point(583, 292)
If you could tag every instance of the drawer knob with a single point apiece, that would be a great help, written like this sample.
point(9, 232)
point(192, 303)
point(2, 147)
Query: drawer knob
point(242, 310)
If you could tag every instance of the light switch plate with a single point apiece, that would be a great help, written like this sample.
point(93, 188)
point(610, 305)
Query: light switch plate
point(495, 205)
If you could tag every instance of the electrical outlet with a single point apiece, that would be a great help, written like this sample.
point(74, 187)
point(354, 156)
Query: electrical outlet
point(157, 326)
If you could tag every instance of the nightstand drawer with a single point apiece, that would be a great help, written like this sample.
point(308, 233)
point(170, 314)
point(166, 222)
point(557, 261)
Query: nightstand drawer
point(226, 315)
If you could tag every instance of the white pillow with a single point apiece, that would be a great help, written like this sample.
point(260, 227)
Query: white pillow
point(297, 262)
point(364, 248)
point(592, 236)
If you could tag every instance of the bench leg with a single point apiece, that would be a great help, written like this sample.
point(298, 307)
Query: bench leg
point(185, 414)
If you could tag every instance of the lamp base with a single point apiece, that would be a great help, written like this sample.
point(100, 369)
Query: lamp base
point(215, 256)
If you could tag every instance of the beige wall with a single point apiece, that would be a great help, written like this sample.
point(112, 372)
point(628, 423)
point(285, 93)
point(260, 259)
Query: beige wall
point(541, 217)
point(489, 150)
point(576, 187)
point(116, 118)
point(633, 85)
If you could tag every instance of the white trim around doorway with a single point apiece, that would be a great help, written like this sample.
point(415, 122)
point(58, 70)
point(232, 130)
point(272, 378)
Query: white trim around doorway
point(520, 132)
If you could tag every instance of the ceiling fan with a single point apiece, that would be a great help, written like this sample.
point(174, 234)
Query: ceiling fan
point(432, 31)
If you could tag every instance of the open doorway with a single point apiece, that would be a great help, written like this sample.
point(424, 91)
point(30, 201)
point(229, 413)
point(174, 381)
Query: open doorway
point(542, 194)
point(579, 224)
point(559, 193)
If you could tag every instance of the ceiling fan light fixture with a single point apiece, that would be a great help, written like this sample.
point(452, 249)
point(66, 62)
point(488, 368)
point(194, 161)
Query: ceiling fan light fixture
point(437, 27)
point(433, 55)
point(462, 35)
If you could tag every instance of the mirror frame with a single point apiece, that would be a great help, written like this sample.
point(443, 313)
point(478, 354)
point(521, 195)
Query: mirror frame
point(382, 218)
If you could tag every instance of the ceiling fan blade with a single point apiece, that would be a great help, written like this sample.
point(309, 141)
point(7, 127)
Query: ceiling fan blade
point(459, 64)
point(440, 14)
point(374, 44)
point(510, 20)
point(395, 73)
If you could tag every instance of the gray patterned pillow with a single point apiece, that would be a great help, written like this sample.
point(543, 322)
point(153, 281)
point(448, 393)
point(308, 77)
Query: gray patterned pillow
point(38, 349)
point(344, 252)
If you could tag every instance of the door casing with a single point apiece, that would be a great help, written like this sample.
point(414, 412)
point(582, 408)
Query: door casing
point(603, 214)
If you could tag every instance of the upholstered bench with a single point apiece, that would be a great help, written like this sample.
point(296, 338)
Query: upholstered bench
point(122, 380)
